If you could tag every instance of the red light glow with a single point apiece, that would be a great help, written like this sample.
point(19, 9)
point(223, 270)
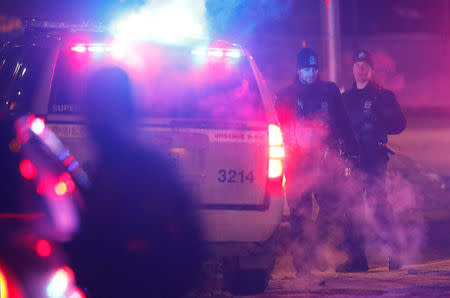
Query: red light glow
point(27, 169)
point(21, 216)
point(69, 160)
point(43, 248)
point(29, 121)
point(77, 293)
point(79, 48)
point(3, 285)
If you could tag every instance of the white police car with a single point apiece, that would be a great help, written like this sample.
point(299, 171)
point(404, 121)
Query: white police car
point(205, 105)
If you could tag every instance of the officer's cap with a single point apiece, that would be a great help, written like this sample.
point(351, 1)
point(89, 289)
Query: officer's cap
point(363, 56)
point(307, 58)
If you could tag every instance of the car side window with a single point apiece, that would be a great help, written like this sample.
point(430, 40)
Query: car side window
point(19, 74)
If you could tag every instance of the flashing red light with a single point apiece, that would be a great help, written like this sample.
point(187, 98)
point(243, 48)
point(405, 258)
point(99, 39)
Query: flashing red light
point(77, 293)
point(276, 151)
point(3, 285)
point(70, 186)
point(79, 48)
point(27, 169)
point(29, 121)
point(40, 189)
point(21, 216)
point(43, 248)
point(69, 160)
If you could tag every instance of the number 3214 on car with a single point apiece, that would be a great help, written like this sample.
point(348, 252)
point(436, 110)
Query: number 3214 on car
point(235, 176)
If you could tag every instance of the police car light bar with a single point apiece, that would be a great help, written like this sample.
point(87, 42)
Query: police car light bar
point(34, 23)
point(93, 48)
point(217, 52)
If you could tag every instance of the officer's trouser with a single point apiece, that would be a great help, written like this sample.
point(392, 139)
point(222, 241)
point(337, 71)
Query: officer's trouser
point(316, 216)
point(373, 222)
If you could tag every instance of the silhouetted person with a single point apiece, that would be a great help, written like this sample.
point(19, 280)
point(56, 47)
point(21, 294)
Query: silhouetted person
point(140, 236)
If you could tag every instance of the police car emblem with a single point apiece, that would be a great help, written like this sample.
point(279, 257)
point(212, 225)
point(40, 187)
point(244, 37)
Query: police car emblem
point(367, 105)
point(312, 60)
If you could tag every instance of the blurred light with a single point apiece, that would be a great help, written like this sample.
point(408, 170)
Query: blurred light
point(24, 71)
point(73, 166)
point(19, 93)
point(69, 160)
point(165, 22)
point(118, 50)
point(23, 135)
point(66, 184)
point(29, 121)
point(61, 188)
point(100, 49)
point(64, 154)
point(60, 282)
point(276, 152)
point(233, 53)
point(40, 189)
point(38, 126)
point(43, 248)
point(70, 186)
point(275, 135)
point(215, 53)
point(79, 48)
point(275, 168)
point(30, 216)
point(199, 52)
point(3, 285)
point(77, 293)
point(27, 169)
point(65, 177)
point(284, 181)
point(14, 145)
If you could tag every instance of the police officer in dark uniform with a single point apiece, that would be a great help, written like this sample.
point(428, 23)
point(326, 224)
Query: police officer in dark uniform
point(374, 114)
point(311, 98)
point(314, 120)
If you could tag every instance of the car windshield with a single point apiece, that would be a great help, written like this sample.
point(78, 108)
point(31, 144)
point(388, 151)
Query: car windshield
point(168, 82)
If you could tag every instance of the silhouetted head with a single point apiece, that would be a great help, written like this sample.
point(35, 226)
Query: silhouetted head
point(108, 103)
point(307, 66)
point(362, 66)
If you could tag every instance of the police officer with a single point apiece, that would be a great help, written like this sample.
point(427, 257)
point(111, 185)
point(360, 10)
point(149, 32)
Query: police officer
point(314, 121)
point(374, 114)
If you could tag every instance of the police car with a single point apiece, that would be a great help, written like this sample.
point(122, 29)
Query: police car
point(203, 104)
